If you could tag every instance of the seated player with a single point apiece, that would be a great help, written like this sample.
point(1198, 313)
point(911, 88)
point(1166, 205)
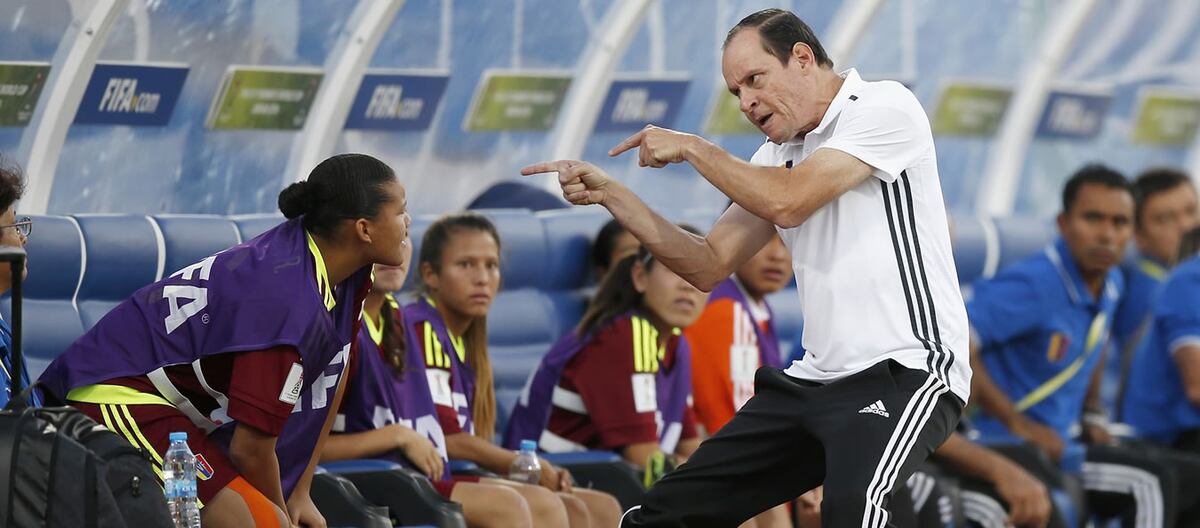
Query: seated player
point(13, 232)
point(230, 345)
point(388, 412)
point(459, 266)
point(735, 335)
point(621, 380)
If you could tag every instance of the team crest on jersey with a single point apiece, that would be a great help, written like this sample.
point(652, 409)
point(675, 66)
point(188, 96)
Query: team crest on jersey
point(204, 471)
point(1057, 350)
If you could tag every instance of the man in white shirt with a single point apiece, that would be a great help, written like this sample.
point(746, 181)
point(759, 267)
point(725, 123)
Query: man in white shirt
point(849, 180)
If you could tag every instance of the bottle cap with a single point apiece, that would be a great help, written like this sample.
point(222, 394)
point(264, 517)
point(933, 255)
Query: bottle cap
point(528, 445)
point(178, 436)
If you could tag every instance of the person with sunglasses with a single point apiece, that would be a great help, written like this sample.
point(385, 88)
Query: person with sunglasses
point(13, 232)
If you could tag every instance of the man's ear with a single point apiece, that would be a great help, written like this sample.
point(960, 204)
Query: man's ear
point(803, 54)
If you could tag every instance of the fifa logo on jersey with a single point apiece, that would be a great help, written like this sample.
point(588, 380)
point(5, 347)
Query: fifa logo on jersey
point(121, 95)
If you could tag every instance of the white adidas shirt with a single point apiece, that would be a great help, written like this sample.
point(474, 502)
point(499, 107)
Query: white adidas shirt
point(874, 267)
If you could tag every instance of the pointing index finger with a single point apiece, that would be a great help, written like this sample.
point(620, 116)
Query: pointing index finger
point(546, 166)
point(629, 143)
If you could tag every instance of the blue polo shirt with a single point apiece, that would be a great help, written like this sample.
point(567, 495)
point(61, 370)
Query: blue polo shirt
point(1143, 276)
point(1155, 402)
point(6, 366)
point(1036, 321)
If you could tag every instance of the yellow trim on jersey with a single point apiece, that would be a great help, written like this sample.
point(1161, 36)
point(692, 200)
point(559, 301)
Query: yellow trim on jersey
point(323, 285)
point(116, 424)
point(435, 355)
point(1153, 269)
point(115, 394)
point(647, 352)
point(1095, 331)
point(390, 300)
point(374, 327)
point(459, 347)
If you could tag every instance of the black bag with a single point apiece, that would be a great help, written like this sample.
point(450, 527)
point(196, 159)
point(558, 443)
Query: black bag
point(58, 467)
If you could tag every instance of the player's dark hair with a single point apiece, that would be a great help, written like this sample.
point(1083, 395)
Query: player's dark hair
point(393, 344)
point(12, 184)
point(1092, 174)
point(343, 187)
point(780, 30)
point(602, 247)
point(433, 245)
point(1154, 181)
point(616, 294)
point(1189, 246)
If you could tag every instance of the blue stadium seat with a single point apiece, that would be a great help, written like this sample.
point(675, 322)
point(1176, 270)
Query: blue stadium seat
point(971, 246)
point(569, 236)
point(190, 238)
point(520, 332)
point(522, 247)
point(123, 254)
point(250, 226)
point(50, 321)
point(1021, 237)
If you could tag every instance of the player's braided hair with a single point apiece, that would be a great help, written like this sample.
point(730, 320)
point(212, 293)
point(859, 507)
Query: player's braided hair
point(343, 187)
point(433, 244)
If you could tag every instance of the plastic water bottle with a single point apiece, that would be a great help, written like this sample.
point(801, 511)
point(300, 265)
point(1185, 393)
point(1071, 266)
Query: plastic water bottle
point(179, 483)
point(526, 468)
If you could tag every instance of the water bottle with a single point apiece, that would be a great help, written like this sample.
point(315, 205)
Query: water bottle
point(179, 483)
point(526, 468)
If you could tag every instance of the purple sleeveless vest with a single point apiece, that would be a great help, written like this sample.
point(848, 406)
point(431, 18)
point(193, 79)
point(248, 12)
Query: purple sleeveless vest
point(768, 341)
point(253, 296)
point(379, 397)
point(532, 412)
point(462, 383)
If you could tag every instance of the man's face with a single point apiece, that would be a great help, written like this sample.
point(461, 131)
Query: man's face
point(1165, 217)
point(1097, 227)
point(780, 100)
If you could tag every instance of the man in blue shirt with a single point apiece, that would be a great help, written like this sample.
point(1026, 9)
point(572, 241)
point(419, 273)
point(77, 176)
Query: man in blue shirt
point(1165, 207)
point(1163, 398)
point(1038, 331)
point(13, 232)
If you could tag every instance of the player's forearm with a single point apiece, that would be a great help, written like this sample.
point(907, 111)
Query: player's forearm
point(366, 444)
point(1187, 358)
point(489, 456)
point(968, 457)
point(684, 253)
point(638, 454)
point(253, 454)
point(771, 193)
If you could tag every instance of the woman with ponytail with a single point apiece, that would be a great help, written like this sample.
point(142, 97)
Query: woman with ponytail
point(243, 350)
point(622, 380)
point(459, 266)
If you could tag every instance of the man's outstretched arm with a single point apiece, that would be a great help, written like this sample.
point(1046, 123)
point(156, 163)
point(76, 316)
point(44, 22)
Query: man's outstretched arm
point(704, 261)
point(784, 196)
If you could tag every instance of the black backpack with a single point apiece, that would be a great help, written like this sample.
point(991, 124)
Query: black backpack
point(59, 468)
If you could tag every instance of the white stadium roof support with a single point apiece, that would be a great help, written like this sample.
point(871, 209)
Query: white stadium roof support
point(70, 72)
